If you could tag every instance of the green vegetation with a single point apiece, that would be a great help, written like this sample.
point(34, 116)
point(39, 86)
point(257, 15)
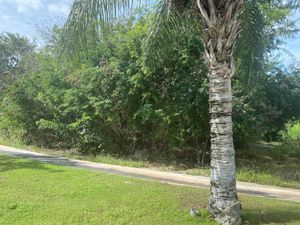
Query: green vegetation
point(156, 87)
point(115, 102)
point(265, 164)
point(35, 193)
point(17, 58)
point(293, 131)
point(114, 106)
point(291, 136)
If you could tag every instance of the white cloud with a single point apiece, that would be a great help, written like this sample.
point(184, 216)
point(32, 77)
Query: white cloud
point(59, 8)
point(25, 5)
point(6, 17)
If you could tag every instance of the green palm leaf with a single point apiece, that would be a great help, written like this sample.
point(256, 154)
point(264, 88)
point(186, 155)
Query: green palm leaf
point(250, 48)
point(166, 22)
point(90, 17)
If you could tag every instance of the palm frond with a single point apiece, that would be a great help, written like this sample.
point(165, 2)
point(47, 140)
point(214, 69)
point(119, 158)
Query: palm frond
point(250, 47)
point(90, 18)
point(167, 21)
point(291, 4)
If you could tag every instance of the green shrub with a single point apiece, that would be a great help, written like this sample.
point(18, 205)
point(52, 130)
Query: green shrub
point(114, 102)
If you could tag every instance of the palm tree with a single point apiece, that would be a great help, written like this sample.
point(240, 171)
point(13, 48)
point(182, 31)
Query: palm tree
point(222, 24)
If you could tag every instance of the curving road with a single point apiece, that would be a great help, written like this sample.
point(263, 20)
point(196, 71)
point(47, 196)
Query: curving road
point(155, 175)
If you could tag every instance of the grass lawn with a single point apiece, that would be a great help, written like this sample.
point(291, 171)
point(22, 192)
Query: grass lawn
point(267, 164)
point(34, 193)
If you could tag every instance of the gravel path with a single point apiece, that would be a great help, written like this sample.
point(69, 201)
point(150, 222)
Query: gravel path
point(155, 175)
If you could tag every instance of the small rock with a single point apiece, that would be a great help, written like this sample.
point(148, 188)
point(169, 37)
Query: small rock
point(194, 212)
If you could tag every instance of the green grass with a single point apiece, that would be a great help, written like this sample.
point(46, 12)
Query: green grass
point(269, 164)
point(34, 193)
point(294, 131)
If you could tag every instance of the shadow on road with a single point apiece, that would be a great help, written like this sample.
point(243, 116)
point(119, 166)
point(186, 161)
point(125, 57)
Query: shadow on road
point(8, 163)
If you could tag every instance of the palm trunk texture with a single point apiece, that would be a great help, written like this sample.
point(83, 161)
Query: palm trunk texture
point(220, 24)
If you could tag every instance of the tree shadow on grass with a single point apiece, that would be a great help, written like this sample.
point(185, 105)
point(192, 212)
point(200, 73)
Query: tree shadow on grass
point(282, 216)
point(8, 163)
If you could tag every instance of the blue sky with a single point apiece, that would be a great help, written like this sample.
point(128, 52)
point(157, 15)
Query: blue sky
point(293, 44)
point(20, 16)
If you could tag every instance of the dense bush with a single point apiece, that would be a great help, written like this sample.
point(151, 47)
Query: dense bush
point(118, 106)
point(112, 102)
point(291, 137)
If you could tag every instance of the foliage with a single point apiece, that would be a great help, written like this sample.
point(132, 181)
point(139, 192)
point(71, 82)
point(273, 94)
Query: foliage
point(113, 101)
point(119, 106)
point(291, 137)
point(266, 111)
point(16, 57)
point(258, 111)
point(293, 131)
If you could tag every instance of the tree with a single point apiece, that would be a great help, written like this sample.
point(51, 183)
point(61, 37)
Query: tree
point(15, 53)
point(221, 23)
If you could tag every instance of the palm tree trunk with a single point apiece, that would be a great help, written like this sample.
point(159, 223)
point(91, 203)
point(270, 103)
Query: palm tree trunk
point(223, 204)
point(219, 20)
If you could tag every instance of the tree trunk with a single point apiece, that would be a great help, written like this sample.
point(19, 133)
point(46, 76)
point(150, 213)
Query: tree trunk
point(220, 24)
point(223, 204)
